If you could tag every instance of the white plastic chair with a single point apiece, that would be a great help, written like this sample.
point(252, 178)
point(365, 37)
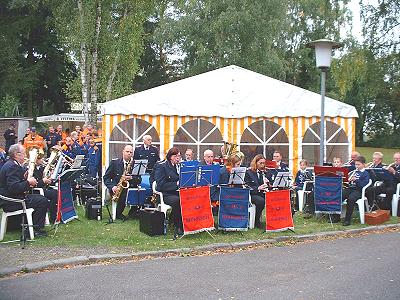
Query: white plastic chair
point(161, 206)
point(362, 203)
point(395, 201)
point(301, 193)
point(27, 211)
point(252, 214)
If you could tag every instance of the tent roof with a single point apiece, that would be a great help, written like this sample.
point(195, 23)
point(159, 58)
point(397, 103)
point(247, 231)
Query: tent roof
point(229, 92)
point(64, 117)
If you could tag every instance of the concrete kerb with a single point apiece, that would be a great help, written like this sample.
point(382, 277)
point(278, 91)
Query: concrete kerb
point(33, 267)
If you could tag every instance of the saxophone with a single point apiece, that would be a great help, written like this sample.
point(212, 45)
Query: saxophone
point(123, 183)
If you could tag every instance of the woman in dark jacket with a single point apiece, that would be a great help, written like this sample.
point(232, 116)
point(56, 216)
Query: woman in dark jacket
point(167, 180)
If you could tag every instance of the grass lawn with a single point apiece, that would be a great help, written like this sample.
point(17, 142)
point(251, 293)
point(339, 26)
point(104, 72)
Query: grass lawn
point(368, 151)
point(92, 233)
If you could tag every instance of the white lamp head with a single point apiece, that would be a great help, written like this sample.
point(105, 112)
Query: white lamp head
point(323, 51)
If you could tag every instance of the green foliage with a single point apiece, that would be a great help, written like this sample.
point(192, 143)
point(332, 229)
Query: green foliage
point(7, 105)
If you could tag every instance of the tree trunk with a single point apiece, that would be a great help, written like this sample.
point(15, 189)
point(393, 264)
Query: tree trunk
point(93, 91)
point(83, 65)
point(115, 63)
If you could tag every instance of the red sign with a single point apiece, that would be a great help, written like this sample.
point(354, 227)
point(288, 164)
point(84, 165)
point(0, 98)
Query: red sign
point(278, 211)
point(196, 209)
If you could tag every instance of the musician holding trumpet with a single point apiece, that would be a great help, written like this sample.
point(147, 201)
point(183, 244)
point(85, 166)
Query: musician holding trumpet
point(357, 181)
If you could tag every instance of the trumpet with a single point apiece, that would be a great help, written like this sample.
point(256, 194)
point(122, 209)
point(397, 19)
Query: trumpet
point(369, 165)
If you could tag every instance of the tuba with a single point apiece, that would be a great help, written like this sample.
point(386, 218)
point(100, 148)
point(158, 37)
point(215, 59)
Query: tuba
point(32, 157)
point(51, 162)
point(123, 183)
point(230, 149)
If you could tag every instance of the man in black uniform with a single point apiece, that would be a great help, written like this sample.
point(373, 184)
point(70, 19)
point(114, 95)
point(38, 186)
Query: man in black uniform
point(394, 169)
point(14, 184)
point(52, 139)
point(113, 175)
point(147, 151)
point(10, 136)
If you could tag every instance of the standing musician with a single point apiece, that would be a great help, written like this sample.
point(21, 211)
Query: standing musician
point(208, 157)
point(15, 184)
point(258, 182)
point(189, 154)
point(167, 180)
point(357, 181)
point(113, 176)
point(147, 151)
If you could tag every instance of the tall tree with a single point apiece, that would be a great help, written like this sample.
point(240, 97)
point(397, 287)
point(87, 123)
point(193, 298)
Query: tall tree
point(106, 39)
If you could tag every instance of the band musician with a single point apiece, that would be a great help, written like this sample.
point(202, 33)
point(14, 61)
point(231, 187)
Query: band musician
point(256, 178)
point(277, 157)
point(15, 184)
point(357, 181)
point(147, 151)
point(167, 180)
point(113, 176)
point(394, 169)
point(351, 163)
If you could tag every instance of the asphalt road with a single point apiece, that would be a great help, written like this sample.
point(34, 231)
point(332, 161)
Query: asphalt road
point(364, 267)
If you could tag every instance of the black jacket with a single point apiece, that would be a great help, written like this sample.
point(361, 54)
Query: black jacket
point(114, 172)
point(251, 179)
point(10, 136)
point(166, 178)
point(152, 155)
point(12, 180)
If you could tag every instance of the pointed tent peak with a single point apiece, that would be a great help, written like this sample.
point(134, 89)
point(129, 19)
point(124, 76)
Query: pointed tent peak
point(229, 92)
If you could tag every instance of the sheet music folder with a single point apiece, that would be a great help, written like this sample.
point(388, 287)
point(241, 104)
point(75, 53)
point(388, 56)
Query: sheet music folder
point(237, 175)
point(282, 180)
point(332, 172)
point(198, 175)
point(139, 167)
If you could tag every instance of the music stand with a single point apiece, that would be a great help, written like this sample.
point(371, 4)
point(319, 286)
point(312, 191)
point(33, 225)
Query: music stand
point(237, 175)
point(139, 167)
point(332, 172)
point(187, 176)
point(208, 174)
point(282, 180)
point(77, 162)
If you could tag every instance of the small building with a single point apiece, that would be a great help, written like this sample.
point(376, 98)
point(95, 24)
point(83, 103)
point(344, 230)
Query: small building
point(21, 124)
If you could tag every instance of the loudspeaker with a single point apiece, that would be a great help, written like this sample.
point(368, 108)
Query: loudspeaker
point(152, 222)
point(93, 209)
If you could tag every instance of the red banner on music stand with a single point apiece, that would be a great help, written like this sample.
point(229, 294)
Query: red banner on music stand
point(278, 211)
point(196, 209)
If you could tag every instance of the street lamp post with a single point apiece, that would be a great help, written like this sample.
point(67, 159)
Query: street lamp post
point(323, 56)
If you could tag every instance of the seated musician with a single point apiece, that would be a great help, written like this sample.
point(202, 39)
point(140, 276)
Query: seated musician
point(208, 157)
point(258, 182)
point(277, 157)
point(357, 181)
point(394, 170)
point(337, 162)
point(351, 163)
point(189, 154)
point(15, 184)
point(167, 179)
point(302, 176)
point(67, 149)
point(233, 161)
point(44, 182)
point(112, 180)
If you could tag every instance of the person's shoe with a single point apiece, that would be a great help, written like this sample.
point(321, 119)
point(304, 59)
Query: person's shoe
point(122, 217)
point(179, 231)
point(346, 223)
point(258, 225)
point(307, 215)
point(40, 233)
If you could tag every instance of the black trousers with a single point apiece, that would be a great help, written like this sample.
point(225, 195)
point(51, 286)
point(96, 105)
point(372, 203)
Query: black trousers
point(174, 202)
point(389, 190)
point(39, 203)
point(121, 204)
point(52, 195)
point(259, 201)
point(352, 195)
